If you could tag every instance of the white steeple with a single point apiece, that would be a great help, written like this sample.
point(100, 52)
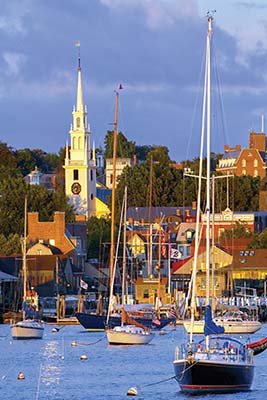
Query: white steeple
point(80, 171)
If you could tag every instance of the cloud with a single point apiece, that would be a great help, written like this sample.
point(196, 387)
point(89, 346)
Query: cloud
point(14, 62)
point(158, 13)
point(13, 16)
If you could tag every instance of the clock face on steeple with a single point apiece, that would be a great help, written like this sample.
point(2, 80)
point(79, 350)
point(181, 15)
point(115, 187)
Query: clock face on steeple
point(76, 188)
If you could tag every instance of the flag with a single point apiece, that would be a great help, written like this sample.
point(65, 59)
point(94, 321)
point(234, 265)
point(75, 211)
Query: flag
point(172, 313)
point(83, 284)
point(175, 253)
point(163, 245)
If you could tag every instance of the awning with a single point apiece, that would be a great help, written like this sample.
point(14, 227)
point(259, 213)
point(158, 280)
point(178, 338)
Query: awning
point(7, 277)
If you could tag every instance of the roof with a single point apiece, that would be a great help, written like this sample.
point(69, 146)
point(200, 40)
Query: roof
point(250, 259)
point(231, 154)
point(102, 194)
point(7, 277)
point(138, 213)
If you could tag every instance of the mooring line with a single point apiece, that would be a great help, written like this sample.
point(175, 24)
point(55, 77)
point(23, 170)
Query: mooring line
point(90, 344)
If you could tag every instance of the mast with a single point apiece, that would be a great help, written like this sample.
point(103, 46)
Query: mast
point(24, 260)
point(124, 291)
point(113, 187)
point(149, 267)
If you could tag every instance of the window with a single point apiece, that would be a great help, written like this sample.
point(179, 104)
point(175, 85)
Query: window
point(75, 174)
point(111, 179)
point(255, 173)
point(91, 174)
point(243, 163)
point(244, 172)
point(74, 143)
point(221, 232)
point(92, 196)
point(78, 122)
point(255, 162)
point(145, 294)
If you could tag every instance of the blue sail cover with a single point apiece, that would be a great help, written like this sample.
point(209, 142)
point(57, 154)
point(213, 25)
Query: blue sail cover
point(30, 312)
point(210, 328)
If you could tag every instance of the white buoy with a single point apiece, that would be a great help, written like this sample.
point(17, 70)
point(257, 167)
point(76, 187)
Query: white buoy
point(74, 343)
point(21, 375)
point(132, 391)
point(83, 357)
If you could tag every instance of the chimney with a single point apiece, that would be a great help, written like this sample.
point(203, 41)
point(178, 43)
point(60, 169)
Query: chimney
point(194, 205)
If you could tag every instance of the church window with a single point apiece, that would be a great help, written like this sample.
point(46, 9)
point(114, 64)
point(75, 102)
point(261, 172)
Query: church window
point(91, 174)
point(78, 122)
point(74, 143)
point(92, 196)
point(79, 143)
point(75, 174)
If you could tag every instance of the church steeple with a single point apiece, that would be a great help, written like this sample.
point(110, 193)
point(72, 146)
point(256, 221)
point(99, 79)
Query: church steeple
point(79, 103)
point(80, 168)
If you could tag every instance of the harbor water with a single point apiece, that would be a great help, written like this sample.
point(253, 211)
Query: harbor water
point(53, 368)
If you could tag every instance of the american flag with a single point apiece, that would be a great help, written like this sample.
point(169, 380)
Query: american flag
point(163, 245)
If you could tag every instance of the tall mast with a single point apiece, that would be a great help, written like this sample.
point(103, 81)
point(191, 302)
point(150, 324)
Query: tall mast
point(124, 291)
point(115, 132)
point(149, 267)
point(208, 55)
point(24, 251)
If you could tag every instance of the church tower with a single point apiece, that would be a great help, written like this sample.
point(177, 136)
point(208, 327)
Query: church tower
point(80, 162)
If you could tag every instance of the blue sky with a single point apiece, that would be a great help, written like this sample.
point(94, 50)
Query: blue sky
point(154, 48)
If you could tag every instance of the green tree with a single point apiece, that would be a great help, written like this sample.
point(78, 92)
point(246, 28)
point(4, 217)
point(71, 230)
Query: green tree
point(124, 147)
point(98, 238)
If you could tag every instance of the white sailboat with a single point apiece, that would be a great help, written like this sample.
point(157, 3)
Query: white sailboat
point(217, 363)
point(28, 328)
point(130, 332)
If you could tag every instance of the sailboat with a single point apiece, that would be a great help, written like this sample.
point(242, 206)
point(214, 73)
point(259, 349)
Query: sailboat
point(29, 327)
point(217, 363)
point(130, 331)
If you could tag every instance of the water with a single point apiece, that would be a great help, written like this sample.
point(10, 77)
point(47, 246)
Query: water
point(53, 368)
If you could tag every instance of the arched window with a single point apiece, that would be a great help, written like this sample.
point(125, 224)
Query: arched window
point(92, 196)
point(79, 143)
point(243, 163)
point(74, 142)
point(75, 174)
point(91, 174)
point(255, 162)
point(78, 122)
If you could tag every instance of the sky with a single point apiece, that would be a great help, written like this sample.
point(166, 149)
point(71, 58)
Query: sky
point(154, 48)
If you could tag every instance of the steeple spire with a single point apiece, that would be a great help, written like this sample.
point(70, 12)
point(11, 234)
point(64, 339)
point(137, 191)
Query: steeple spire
point(79, 103)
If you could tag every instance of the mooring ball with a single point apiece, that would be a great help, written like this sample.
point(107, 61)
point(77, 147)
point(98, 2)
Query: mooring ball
point(74, 343)
point(21, 375)
point(83, 357)
point(132, 391)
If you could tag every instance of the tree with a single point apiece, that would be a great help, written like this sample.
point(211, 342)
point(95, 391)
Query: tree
point(98, 238)
point(125, 148)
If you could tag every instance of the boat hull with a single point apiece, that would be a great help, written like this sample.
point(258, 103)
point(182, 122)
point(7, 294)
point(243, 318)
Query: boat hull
point(128, 338)
point(215, 377)
point(233, 327)
point(93, 322)
point(27, 330)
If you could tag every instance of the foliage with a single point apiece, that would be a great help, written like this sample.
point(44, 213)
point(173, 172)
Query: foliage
point(239, 231)
point(98, 237)
point(28, 159)
point(13, 192)
point(259, 241)
point(124, 147)
point(10, 245)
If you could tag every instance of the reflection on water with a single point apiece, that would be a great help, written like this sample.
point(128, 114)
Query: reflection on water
point(53, 368)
